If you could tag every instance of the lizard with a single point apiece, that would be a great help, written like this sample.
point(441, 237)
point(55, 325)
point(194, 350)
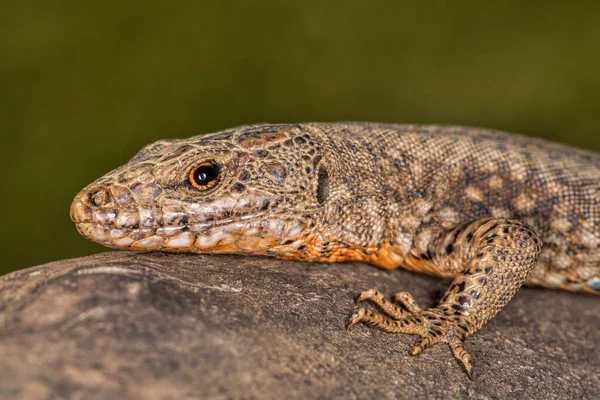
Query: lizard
point(490, 210)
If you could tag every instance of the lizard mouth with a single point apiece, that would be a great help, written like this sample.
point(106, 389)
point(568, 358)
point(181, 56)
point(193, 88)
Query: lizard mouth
point(152, 228)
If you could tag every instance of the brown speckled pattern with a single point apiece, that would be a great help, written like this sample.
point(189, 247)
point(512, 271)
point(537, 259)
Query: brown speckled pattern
point(490, 209)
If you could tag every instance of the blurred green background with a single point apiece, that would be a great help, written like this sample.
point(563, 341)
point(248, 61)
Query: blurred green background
point(84, 85)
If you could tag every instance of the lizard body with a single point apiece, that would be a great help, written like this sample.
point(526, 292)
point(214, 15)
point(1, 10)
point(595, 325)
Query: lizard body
point(490, 210)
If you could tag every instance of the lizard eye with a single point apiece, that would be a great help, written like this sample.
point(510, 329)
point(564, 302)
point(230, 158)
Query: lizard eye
point(205, 175)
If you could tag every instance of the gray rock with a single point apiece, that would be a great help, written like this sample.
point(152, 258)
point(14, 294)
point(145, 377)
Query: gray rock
point(158, 326)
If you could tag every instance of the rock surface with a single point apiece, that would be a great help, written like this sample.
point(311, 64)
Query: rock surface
point(158, 326)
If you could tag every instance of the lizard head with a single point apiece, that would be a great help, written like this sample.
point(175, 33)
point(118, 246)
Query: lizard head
point(249, 190)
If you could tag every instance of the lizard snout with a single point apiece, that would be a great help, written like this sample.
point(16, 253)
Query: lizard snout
point(81, 210)
point(99, 216)
point(89, 201)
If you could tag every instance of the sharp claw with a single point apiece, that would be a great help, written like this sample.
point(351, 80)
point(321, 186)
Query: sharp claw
point(462, 355)
point(365, 295)
point(470, 373)
point(468, 366)
point(356, 318)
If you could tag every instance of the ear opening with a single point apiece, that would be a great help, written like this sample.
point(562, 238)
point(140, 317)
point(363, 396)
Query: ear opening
point(323, 184)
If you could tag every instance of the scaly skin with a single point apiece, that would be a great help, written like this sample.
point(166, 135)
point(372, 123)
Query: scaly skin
point(489, 209)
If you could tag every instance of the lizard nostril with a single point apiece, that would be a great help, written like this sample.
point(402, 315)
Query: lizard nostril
point(99, 197)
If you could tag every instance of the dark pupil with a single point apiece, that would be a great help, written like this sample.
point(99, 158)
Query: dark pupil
point(205, 174)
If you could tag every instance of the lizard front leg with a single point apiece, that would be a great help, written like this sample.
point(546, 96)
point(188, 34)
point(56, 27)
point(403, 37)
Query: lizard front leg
point(496, 257)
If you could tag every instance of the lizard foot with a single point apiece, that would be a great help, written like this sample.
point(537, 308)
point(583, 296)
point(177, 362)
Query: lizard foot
point(499, 254)
point(435, 325)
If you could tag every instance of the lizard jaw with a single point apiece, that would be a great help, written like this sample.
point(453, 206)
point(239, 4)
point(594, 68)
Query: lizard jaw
point(253, 235)
point(147, 228)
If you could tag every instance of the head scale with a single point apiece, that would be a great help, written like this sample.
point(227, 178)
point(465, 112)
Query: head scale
point(252, 190)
